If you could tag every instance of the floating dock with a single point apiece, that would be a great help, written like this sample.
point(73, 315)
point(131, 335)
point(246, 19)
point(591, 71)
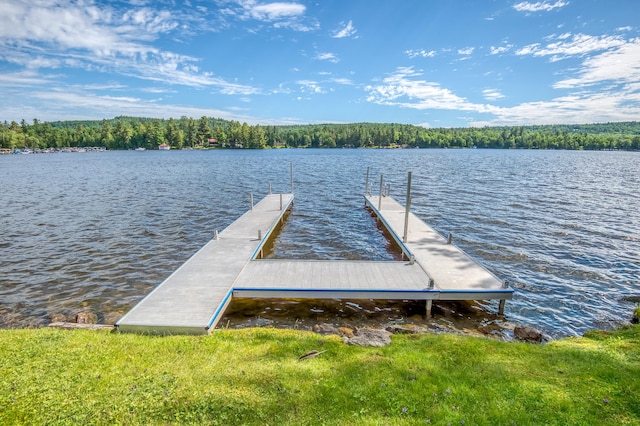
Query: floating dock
point(193, 299)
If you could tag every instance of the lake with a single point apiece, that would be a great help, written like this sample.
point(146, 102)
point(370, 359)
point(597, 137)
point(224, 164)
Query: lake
point(98, 231)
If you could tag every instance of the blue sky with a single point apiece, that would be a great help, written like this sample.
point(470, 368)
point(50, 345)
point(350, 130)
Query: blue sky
point(453, 63)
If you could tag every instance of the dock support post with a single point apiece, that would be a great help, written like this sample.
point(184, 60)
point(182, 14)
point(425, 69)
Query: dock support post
point(251, 200)
point(269, 188)
point(291, 173)
point(505, 284)
point(281, 202)
point(449, 237)
point(380, 197)
point(215, 234)
point(432, 284)
point(412, 259)
point(259, 234)
point(407, 209)
point(366, 185)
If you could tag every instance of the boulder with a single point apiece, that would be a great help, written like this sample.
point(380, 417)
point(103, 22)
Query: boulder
point(325, 329)
point(406, 329)
point(346, 332)
point(58, 318)
point(528, 334)
point(370, 337)
point(86, 318)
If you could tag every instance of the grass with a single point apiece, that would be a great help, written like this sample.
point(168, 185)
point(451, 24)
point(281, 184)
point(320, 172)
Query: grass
point(253, 376)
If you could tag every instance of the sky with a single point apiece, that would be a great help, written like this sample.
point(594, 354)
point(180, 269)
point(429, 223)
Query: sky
point(433, 63)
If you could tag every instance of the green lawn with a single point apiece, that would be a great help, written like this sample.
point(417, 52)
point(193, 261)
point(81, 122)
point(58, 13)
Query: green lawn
point(253, 376)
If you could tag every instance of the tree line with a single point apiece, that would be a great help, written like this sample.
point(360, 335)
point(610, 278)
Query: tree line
point(207, 132)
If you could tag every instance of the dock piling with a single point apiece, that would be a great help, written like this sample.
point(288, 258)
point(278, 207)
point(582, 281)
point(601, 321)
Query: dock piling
point(269, 188)
point(449, 237)
point(428, 308)
point(280, 201)
point(366, 184)
point(380, 197)
point(505, 284)
point(407, 209)
point(215, 234)
point(251, 200)
point(291, 173)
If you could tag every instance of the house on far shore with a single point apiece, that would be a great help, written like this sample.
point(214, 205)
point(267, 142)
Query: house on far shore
point(164, 147)
point(213, 143)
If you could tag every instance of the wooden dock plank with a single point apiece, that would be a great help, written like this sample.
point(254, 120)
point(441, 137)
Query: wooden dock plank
point(452, 270)
point(329, 276)
point(186, 302)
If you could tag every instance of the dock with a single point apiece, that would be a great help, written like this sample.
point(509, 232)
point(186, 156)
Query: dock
point(193, 299)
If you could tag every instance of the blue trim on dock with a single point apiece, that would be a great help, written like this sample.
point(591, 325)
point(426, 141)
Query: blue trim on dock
point(267, 234)
point(388, 227)
point(220, 308)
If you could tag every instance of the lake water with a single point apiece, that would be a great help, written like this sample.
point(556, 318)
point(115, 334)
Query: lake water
point(98, 231)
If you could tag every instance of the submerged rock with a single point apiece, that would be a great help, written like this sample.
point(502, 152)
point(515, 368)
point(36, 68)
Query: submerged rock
point(370, 337)
point(346, 332)
point(528, 334)
point(86, 318)
point(406, 329)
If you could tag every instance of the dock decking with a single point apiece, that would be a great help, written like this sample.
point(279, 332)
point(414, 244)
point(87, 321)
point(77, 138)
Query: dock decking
point(190, 299)
point(194, 297)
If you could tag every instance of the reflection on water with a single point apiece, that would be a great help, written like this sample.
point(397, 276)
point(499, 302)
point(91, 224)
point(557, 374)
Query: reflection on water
point(97, 231)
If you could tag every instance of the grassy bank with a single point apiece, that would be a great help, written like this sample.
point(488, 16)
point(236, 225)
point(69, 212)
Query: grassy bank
point(254, 377)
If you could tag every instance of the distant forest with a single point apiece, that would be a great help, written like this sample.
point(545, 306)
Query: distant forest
point(206, 133)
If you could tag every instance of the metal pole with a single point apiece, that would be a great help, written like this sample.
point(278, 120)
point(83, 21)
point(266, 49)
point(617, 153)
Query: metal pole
point(280, 202)
point(366, 185)
point(251, 199)
point(215, 234)
point(380, 197)
point(407, 209)
point(291, 172)
point(505, 284)
point(449, 237)
point(269, 188)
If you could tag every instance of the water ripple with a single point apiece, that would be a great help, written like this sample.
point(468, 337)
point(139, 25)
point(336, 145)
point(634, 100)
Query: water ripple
point(98, 231)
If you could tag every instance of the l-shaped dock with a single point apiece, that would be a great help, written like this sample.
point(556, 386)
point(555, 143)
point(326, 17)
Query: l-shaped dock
point(193, 299)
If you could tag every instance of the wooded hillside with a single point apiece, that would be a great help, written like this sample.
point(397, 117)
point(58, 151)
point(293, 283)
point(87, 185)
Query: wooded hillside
point(205, 132)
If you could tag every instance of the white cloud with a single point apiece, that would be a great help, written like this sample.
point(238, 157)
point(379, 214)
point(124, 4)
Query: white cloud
point(347, 30)
point(540, 6)
point(566, 45)
point(466, 51)
point(275, 11)
point(309, 86)
point(404, 88)
point(343, 81)
point(574, 108)
point(492, 94)
point(618, 65)
point(327, 56)
point(36, 34)
point(289, 15)
point(497, 50)
point(423, 53)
